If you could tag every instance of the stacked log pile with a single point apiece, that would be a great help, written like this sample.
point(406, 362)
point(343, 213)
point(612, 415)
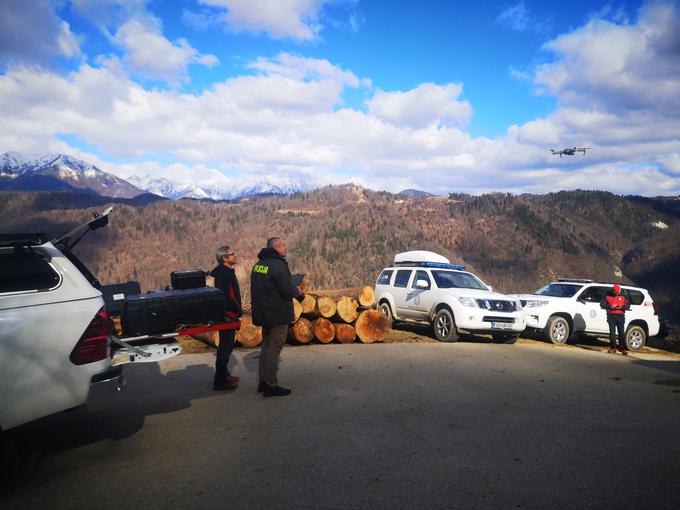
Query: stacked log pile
point(324, 316)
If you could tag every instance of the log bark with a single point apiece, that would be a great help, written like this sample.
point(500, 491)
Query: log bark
point(324, 331)
point(364, 295)
point(345, 333)
point(372, 326)
point(325, 306)
point(249, 335)
point(346, 309)
point(301, 332)
point(297, 309)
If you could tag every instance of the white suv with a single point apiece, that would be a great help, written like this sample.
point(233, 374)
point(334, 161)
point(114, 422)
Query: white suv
point(422, 286)
point(572, 306)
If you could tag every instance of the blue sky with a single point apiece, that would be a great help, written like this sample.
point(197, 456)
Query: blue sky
point(437, 95)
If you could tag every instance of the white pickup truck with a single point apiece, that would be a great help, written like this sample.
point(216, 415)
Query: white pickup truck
point(56, 346)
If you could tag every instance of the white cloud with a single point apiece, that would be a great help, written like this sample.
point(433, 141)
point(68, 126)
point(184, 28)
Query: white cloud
point(420, 107)
point(150, 54)
point(295, 19)
point(289, 118)
point(19, 39)
point(517, 17)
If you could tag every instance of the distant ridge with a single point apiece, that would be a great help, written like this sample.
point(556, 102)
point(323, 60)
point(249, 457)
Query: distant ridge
point(414, 193)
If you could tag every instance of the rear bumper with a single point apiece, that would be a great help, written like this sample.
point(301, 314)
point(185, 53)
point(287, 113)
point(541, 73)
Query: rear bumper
point(104, 385)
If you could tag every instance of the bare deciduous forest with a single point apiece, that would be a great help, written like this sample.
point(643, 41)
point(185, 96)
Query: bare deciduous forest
point(341, 236)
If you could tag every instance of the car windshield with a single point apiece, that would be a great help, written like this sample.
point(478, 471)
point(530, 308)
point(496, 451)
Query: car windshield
point(558, 290)
point(457, 279)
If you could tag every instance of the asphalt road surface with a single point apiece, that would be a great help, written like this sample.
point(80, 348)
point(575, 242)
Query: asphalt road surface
point(373, 426)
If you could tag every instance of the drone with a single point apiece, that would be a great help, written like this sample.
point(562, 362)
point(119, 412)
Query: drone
point(569, 151)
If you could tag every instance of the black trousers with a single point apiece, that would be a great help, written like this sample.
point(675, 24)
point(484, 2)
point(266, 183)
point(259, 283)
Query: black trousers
point(616, 324)
point(224, 350)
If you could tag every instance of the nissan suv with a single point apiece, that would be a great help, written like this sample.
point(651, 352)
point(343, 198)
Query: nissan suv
point(423, 287)
point(571, 306)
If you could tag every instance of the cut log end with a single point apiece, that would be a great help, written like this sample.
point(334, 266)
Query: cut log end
point(345, 333)
point(372, 326)
point(301, 332)
point(346, 309)
point(308, 304)
point(326, 306)
point(324, 331)
point(297, 309)
point(249, 335)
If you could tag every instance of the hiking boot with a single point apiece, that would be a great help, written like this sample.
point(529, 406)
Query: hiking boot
point(261, 386)
point(275, 391)
point(233, 378)
point(624, 352)
point(612, 350)
point(229, 385)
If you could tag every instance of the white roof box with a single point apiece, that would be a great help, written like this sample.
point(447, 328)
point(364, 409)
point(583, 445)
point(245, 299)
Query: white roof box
point(420, 256)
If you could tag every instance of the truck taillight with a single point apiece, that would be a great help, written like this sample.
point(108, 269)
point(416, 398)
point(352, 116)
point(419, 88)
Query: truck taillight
point(94, 343)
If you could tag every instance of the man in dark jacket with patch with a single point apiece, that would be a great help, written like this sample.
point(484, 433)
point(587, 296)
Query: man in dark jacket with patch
point(272, 291)
point(225, 280)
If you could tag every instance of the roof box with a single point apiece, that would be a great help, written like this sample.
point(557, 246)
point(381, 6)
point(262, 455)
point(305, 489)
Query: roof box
point(420, 256)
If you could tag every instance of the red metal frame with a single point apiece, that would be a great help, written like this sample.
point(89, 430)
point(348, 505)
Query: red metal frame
point(214, 327)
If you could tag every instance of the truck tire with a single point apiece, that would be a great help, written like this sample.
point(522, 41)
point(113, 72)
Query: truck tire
point(635, 337)
point(444, 326)
point(504, 338)
point(557, 330)
point(386, 311)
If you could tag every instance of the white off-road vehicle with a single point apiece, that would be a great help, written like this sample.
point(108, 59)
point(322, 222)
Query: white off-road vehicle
point(424, 287)
point(571, 306)
point(56, 346)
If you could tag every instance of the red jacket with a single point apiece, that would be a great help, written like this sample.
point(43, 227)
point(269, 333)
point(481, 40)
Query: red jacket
point(615, 305)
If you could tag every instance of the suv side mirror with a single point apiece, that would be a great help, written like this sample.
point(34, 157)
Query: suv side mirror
point(490, 288)
point(422, 284)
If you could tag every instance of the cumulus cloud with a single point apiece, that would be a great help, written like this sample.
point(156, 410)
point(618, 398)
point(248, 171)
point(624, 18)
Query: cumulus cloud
point(31, 32)
point(425, 105)
point(288, 117)
point(517, 17)
point(294, 19)
point(148, 53)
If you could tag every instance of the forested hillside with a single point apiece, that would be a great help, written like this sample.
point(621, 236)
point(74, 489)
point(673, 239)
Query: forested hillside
point(342, 236)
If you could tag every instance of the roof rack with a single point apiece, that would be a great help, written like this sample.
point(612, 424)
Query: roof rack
point(429, 264)
point(18, 240)
point(574, 280)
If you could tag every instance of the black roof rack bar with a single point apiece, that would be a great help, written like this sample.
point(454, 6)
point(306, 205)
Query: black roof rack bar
point(33, 239)
point(574, 280)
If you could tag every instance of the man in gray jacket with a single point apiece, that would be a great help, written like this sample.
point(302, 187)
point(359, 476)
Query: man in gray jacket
point(272, 291)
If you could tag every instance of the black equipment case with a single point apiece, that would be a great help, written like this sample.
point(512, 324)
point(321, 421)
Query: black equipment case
point(163, 311)
point(187, 279)
point(116, 294)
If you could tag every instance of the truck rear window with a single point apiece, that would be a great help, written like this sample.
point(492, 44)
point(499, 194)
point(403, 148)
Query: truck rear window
point(25, 271)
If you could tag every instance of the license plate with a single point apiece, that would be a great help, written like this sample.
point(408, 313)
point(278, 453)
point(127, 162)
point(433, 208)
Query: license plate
point(501, 325)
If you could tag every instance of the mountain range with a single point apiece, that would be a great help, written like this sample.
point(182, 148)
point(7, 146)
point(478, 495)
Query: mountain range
point(59, 172)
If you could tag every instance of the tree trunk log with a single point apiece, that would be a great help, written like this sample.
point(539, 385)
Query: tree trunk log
point(347, 309)
point(209, 337)
point(308, 304)
point(301, 332)
point(364, 295)
point(249, 335)
point(297, 309)
point(324, 331)
point(345, 333)
point(372, 326)
point(325, 306)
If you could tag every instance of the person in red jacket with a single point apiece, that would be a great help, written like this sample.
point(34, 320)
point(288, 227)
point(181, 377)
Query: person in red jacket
point(225, 280)
point(616, 305)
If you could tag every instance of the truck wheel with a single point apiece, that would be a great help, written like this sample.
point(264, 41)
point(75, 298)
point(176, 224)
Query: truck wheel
point(504, 338)
point(635, 338)
point(444, 327)
point(386, 311)
point(557, 330)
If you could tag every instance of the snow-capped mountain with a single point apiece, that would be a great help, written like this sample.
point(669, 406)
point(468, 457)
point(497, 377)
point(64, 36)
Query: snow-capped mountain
point(55, 172)
point(220, 191)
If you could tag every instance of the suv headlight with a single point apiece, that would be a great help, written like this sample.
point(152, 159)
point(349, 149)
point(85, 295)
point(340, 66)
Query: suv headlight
point(468, 301)
point(535, 303)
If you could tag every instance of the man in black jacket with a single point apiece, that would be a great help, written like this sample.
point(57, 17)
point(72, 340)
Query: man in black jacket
point(272, 291)
point(225, 280)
